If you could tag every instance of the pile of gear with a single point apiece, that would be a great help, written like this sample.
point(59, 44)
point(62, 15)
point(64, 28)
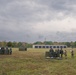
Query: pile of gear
point(5, 51)
point(54, 53)
point(22, 49)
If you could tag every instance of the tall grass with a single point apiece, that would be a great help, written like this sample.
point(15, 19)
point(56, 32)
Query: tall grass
point(33, 62)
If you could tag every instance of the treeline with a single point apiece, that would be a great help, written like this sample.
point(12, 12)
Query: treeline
point(15, 44)
point(69, 44)
point(29, 45)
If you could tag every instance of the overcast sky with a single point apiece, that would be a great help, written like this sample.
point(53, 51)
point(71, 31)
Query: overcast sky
point(37, 20)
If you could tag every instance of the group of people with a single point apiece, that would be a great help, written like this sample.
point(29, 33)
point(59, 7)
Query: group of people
point(59, 53)
point(5, 51)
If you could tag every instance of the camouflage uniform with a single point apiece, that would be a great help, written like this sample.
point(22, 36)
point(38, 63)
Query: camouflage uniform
point(61, 53)
point(65, 53)
point(72, 53)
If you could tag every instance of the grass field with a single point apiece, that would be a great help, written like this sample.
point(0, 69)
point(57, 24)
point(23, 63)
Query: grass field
point(33, 62)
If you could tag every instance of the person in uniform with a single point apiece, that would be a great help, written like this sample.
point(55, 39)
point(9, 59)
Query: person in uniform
point(61, 53)
point(65, 53)
point(10, 51)
point(51, 52)
point(58, 53)
point(72, 53)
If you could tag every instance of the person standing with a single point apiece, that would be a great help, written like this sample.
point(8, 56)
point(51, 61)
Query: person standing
point(51, 52)
point(65, 53)
point(61, 53)
point(72, 53)
point(10, 51)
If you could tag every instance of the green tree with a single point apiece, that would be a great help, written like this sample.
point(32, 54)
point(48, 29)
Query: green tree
point(48, 42)
point(9, 44)
point(74, 44)
point(68, 44)
point(28, 45)
point(14, 44)
point(19, 44)
point(38, 42)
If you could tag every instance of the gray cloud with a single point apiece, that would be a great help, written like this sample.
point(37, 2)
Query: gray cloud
point(33, 20)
